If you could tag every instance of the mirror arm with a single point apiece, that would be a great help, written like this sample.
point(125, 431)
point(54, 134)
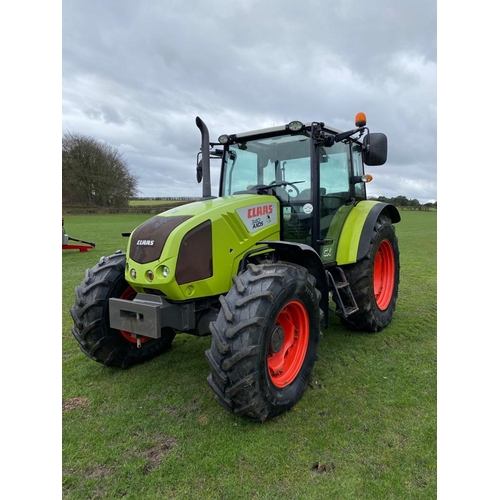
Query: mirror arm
point(329, 139)
point(345, 135)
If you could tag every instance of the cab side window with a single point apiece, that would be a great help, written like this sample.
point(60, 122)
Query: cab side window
point(242, 170)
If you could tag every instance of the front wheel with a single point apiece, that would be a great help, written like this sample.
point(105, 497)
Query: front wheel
point(265, 340)
point(374, 280)
point(90, 315)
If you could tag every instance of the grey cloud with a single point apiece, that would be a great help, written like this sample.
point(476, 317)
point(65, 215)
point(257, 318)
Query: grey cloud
point(138, 73)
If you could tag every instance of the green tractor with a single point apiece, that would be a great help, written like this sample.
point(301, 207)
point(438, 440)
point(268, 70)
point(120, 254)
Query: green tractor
point(290, 239)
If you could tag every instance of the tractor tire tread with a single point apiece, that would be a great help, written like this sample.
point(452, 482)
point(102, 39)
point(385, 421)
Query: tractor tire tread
point(238, 375)
point(369, 318)
point(91, 323)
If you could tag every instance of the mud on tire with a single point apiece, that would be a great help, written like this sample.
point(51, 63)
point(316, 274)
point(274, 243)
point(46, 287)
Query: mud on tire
point(265, 340)
point(90, 315)
point(374, 280)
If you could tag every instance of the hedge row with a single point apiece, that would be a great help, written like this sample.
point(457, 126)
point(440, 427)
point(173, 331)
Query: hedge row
point(145, 209)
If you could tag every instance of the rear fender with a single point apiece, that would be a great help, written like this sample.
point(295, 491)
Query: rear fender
point(356, 233)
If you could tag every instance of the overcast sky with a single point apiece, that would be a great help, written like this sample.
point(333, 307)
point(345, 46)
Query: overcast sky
point(135, 74)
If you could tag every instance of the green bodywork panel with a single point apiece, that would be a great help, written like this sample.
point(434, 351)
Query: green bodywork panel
point(347, 249)
point(237, 224)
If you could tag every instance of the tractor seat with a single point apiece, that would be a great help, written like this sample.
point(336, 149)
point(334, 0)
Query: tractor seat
point(307, 194)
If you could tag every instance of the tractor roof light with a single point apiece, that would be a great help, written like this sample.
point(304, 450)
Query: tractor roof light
point(223, 139)
point(360, 119)
point(295, 126)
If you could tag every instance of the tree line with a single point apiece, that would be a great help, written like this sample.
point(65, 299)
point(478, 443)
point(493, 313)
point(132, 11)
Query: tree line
point(94, 174)
point(403, 201)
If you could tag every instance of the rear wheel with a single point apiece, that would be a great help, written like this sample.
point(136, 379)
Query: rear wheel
point(265, 340)
point(374, 280)
point(90, 315)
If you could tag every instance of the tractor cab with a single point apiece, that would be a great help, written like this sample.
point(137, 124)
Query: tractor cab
point(314, 170)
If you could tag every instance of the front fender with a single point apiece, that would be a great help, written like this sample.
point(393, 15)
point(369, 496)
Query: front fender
point(307, 257)
point(356, 233)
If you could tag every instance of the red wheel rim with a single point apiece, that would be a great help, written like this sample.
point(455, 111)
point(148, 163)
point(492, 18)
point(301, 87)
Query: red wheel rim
point(128, 294)
point(383, 275)
point(288, 345)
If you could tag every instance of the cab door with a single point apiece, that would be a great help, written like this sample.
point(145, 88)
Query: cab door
point(336, 195)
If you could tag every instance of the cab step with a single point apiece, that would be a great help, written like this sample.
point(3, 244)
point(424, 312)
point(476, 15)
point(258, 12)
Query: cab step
point(345, 302)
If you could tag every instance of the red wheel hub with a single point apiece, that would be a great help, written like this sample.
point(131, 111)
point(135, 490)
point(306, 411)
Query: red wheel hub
point(288, 344)
point(383, 274)
point(128, 294)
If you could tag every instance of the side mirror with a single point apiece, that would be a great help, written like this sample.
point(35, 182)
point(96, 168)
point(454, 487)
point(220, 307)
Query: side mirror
point(375, 149)
point(199, 169)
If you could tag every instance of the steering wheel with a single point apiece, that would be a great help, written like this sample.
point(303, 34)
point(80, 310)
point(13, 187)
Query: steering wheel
point(286, 183)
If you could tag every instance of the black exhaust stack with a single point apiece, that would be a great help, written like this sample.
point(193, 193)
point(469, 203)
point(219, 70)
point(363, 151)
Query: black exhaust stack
point(205, 159)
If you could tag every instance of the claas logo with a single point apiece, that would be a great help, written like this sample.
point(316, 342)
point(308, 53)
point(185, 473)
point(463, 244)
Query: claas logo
point(260, 210)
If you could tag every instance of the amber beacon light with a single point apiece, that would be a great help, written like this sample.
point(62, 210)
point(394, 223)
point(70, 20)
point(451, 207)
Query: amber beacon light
point(360, 119)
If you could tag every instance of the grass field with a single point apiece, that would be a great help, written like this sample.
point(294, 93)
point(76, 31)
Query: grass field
point(365, 428)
